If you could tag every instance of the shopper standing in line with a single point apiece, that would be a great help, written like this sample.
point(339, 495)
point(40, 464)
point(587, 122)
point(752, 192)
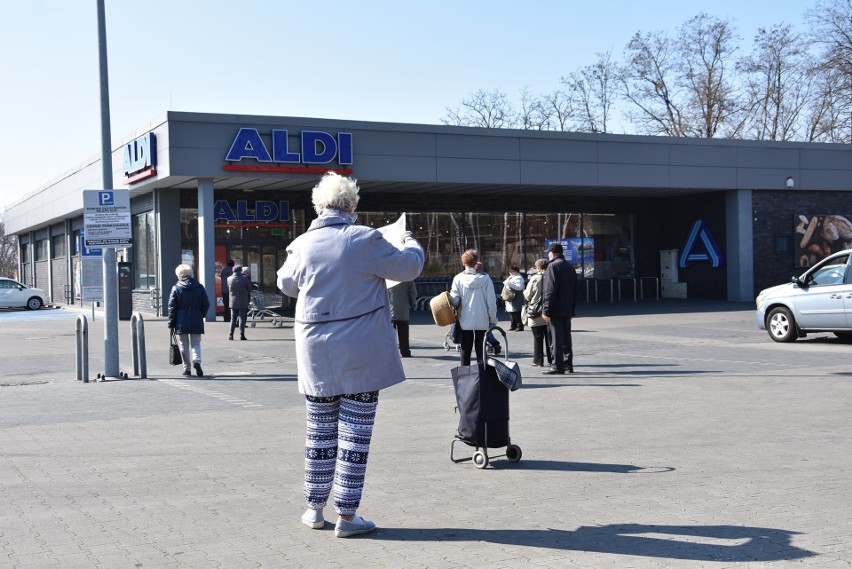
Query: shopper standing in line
point(534, 318)
point(515, 283)
point(402, 297)
point(346, 349)
point(239, 287)
point(226, 273)
point(187, 309)
point(559, 291)
point(473, 293)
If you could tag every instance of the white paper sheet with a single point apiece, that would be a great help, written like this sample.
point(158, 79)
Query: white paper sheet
point(393, 234)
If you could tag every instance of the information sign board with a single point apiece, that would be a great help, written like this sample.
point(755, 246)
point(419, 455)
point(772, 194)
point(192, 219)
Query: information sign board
point(106, 218)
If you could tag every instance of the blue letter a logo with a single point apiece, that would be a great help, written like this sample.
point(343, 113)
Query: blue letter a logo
point(711, 253)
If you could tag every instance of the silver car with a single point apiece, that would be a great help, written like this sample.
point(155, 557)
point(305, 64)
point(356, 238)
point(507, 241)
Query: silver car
point(819, 300)
point(17, 295)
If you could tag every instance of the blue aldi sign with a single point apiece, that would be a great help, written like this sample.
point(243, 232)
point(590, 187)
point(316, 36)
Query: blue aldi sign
point(251, 151)
point(700, 246)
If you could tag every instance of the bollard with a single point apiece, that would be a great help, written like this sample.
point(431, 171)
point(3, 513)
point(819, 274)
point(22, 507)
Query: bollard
point(82, 328)
point(137, 339)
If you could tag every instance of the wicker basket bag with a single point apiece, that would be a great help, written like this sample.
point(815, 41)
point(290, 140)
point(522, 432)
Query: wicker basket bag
point(442, 309)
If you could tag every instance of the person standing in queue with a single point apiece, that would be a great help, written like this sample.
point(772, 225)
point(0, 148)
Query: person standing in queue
point(226, 273)
point(187, 308)
point(559, 294)
point(239, 287)
point(473, 293)
point(402, 297)
point(534, 318)
point(346, 348)
point(515, 283)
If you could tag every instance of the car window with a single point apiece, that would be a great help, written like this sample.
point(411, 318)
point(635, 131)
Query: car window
point(8, 284)
point(829, 274)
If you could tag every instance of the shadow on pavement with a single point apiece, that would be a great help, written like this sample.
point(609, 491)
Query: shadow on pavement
point(568, 466)
point(703, 543)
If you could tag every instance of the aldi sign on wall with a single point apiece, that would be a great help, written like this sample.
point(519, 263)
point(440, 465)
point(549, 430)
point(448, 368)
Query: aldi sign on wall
point(279, 151)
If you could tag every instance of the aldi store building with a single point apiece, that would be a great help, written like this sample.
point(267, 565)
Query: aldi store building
point(715, 219)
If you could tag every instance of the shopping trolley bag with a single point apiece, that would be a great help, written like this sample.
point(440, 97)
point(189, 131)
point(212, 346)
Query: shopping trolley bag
point(483, 406)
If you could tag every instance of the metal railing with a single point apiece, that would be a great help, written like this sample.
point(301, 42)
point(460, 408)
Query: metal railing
point(137, 339)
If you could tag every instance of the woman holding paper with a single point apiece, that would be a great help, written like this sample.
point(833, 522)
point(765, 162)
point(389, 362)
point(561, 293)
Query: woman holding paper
point(346, 349)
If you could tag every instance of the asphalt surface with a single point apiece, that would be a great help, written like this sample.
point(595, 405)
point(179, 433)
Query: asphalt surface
point(686, 438)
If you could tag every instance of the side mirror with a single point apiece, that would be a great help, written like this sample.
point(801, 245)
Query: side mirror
point(20, 287)
point(797, 281)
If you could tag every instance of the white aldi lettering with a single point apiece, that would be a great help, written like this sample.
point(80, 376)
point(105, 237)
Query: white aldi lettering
point(316, 147)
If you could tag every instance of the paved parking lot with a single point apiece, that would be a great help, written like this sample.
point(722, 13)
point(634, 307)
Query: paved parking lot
point(687, 438)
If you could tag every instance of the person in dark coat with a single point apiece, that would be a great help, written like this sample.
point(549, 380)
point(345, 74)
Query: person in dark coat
point(226, 296)
point(402, 297)
point(239, 287)
point(559, 299)
point(188, 305)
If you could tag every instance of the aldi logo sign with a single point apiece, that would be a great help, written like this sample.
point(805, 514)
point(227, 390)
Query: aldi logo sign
point(283, 152)
point(140, 158)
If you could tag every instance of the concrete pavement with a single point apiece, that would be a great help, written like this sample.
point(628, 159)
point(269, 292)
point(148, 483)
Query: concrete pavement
point(687, 438)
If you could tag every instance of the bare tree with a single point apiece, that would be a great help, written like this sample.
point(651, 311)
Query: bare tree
point(591, 92)
point(648, 80)
point(779, 85)
point(559, 109)
point(488, 109)
point(534, 113)
point(831, 30)
point(8, 252)
point(706, 48)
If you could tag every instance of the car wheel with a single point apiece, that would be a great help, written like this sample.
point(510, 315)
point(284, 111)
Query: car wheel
point(781, 325)
point(34, 303)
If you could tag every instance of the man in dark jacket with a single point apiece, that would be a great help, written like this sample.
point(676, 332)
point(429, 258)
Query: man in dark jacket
point(239, 287)
point(226, 297)
point(402, 297)
point(559, 298)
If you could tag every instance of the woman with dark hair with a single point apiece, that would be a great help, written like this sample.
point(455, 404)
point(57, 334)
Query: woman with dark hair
point(515, 283)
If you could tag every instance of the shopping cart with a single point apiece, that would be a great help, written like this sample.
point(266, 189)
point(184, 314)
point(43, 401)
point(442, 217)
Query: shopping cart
point(258, 308)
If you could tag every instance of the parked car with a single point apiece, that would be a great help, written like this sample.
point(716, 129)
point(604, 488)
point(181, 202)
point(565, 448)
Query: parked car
point(819, 300)
point(17, 295)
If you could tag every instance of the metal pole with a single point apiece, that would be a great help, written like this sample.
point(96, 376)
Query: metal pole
point(110, 267)
point(137, 339)
point(82, 333)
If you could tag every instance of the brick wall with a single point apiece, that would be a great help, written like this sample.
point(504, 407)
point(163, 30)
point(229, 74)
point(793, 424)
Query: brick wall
point(774, 214)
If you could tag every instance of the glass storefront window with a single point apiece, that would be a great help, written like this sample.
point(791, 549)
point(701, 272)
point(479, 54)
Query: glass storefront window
point(58, 246)
point(144, 251)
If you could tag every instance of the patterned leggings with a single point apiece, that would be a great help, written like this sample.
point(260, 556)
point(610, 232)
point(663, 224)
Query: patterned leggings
point(339, 429)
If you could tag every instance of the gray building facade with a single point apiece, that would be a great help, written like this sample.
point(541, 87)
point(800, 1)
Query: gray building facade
point(206, 187)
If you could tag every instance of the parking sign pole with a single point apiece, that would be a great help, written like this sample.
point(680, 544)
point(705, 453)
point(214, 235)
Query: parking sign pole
point(110, 267)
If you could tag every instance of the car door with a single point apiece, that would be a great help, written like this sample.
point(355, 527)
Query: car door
point(821, 304)
point(10, 294)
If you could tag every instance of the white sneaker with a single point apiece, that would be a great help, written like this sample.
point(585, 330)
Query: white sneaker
point(313, 519)
point(356, 526)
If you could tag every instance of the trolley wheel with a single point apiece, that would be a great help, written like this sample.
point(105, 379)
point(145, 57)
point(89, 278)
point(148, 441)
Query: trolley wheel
point(446, 346)
point(513, 453)
point(253, 324)
point(480, 459)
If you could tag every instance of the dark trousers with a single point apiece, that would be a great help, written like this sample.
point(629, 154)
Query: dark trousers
point(402, 333)
point(241, 315)
point(541, 342)
point(515, 321)
point(563, 351)
point(471, 339)
point(226, 302)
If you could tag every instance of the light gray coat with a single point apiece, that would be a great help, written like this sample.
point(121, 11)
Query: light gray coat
point(345, 342)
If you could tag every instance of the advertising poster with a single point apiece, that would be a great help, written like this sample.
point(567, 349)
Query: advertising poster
point(579, 251)
point(818, 236)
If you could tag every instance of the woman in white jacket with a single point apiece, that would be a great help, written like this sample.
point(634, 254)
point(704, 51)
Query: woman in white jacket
point(473, 293)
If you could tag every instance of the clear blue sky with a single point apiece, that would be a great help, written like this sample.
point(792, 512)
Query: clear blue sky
point(364, 60)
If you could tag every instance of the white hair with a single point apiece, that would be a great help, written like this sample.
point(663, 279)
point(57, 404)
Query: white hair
point(334, 190)
point(183, 272)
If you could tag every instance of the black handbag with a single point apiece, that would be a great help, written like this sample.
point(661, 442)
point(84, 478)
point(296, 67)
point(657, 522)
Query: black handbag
point(174, 351)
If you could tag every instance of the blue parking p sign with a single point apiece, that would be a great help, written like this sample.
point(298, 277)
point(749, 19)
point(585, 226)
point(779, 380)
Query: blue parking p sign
point(106, 198)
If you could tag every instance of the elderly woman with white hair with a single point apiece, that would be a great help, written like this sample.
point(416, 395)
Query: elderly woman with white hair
point(188, 305)
point(346, 347)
